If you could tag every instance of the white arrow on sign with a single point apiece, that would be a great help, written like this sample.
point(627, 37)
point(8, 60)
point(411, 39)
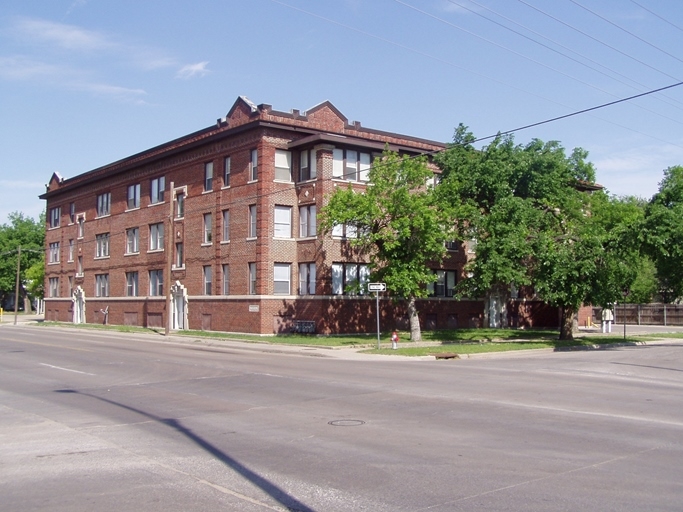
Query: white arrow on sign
point(377, 287)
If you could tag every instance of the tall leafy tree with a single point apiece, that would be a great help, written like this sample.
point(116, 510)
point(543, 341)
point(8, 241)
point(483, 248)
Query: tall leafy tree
point(663, 233)
point(400, 226)
point(30, 235)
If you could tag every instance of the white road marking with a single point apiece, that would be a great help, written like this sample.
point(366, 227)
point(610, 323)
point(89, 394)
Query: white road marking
point(65, 369)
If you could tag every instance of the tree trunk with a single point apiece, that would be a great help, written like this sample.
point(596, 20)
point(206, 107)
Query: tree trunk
point(415, 332)
point(567, 323)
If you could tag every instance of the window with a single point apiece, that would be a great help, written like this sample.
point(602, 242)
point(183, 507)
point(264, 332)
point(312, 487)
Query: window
point(208, 176)
point(133, 196)
point(226, 226)
point(71, 250)
point(444, 285)
point(102, 285)
point(156, 190)
point(307, 221)
point(207, 279)
point(180, 205)
point(253, 165)
point(252, 221)
point(53, 253)
point(55, 214)
point(350, 164)
point(102, 245)
point(283, 165)
point(156, 237)
point(307, 279)
point(132, 284)
point(281, 273)
point(226, 279)
point(53, 285)
point(349, 278)
point(70, 284)
point(283, 222)
point(72, 212)
point(132, 241)
point(81, 226)
point(156, 282)
point(79, 270)
point(207, 228)
point(252, 278)
point(307, 165)
point(344, 231)
point(226, 171)
point(103, 204)
point(179, 255)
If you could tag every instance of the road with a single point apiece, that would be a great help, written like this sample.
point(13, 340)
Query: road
point(107, 421)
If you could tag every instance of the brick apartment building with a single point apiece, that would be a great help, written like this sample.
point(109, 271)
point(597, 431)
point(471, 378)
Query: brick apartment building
point(236, 233)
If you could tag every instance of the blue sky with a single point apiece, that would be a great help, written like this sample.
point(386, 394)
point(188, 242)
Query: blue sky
point(87, 82)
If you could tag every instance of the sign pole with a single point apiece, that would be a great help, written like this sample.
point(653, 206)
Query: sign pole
point(377, 308)
point(377, 287)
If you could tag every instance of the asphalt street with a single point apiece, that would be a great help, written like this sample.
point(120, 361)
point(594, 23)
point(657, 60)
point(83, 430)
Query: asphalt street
point(106, 421)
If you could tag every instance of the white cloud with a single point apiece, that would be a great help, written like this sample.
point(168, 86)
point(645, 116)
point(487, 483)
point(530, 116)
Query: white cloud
point(122, 94)
point(75, 5)
point(192, 70)
point(23, 68)
point(62, 35)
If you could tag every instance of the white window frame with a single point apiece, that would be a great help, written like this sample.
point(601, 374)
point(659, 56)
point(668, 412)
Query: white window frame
point(132, 284)
point(252, 278)
point(282, 278)
point(70, 256)
point(179, 255)
point(207, 235)
point(307, 276)
point(308, 221)
point(101, 285)
point(80, 220)
point(156, 282)
point(351, 164)
point(53, 287)
point(225, 274)
point(282, 221)
point(104, 204)
point(133, 240)
point(208, 176)
point(283, 165)
point(444, 285)
point(53, 253)
point(102, 245)
point(180, 204)
point(156, 236)
point(207, 278)
point(253, 165)
point(226, 171)
point(308, 165)
point(344, 275)
point(133, 197)
point(252, 227)
point(72, 213)
point(226, 226)
point(157, 187)
point(55, 217)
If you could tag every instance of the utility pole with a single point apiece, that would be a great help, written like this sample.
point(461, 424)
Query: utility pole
point(16, 287)
point(169, 260)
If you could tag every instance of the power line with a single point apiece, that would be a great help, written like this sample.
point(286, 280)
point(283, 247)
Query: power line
point(624, 30)
point(657, 15)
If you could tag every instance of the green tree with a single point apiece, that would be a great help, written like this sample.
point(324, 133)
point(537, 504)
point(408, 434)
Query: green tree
point(663, 234)
point(536, 222)
point(400, 226)
point(30, 235)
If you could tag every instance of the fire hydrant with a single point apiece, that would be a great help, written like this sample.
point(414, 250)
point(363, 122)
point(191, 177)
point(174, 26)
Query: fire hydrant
point(394, 340)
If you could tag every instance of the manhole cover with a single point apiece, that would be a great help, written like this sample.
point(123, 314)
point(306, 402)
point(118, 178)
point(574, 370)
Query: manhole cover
point(346, 423)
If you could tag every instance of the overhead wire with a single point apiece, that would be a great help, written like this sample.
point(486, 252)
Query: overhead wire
point(657, 15)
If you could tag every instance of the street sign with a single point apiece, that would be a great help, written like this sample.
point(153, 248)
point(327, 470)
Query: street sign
point(377, 287)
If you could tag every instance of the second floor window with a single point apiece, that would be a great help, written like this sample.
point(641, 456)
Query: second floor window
point(283, 165)
point(349, 278)
point(444, 286)
point(208, 176)
point(307, 221)
point(156, 190)
point(156, 282)
point(53, 287)
point(103, 204)
point(307, 165)
point(179, 255)
point(252, 278)
point(132, 241)
point(350, 164)
point(281, 277)
point(226, 279)
point(55, 214)
point(226, 171)
point(53, 253)
point(208, 233)
point(102, 245)
point(133, 196)
point(283, 222)
point(156, 237)
point(307, 279)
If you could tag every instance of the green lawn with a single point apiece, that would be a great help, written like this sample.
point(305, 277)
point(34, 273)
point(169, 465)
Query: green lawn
point(459, 341)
